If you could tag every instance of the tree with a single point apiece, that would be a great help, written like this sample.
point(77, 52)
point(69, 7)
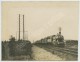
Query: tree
point(3, 50)
point(12, 46)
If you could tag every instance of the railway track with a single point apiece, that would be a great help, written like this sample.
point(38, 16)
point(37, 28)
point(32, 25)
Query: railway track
point(65, 50)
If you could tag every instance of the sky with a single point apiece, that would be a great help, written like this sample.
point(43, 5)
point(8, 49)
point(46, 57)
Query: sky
point(41, 19)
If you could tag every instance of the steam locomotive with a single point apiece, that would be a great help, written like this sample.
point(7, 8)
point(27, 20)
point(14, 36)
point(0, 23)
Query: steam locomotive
point(56, 40)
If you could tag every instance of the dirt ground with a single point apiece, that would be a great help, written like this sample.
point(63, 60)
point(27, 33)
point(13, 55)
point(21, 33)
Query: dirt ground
point(41, 54)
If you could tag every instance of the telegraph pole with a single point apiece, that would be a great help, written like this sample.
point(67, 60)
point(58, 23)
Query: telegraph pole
point(27, 35)
point(16, 35)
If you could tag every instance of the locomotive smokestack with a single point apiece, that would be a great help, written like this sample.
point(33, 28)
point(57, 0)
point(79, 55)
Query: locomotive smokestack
point(59, 30)
point(23, 28)
point(19, 26)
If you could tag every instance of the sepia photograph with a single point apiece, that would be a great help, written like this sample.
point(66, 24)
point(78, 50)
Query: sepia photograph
point(39, 30)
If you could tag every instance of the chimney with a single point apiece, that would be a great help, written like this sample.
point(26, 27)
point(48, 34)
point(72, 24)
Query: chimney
point(23, 28)
point(19, 26)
